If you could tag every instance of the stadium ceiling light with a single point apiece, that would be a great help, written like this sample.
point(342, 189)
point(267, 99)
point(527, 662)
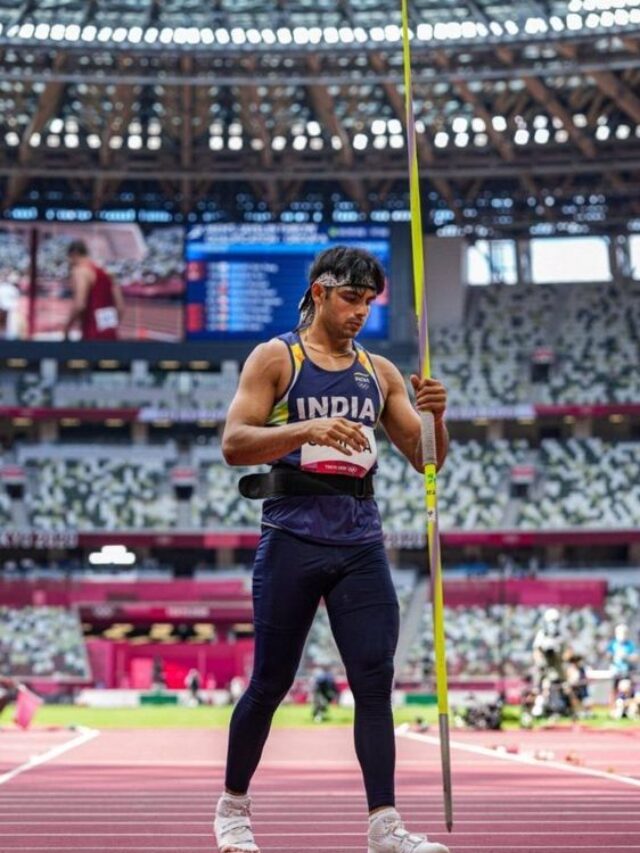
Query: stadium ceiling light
point(235, 129)
point(300, 143)
point(222, 36)
point(425, 32)
point(496, 28)
point(521, 136)
point(301, 35)
point(478, 125)
point(53, 141)
point(575, 5)
point(119, 34)
point(135, 35)
point(331, 35)
point(193, 36)
point(284, 35)
point(360, 141)
point(623, 131)
point(574, 22)
point(592, 21)
point(380, 142)
point(235, 143)
point(278, 143)
point(420, 126)
point(396, 140)
point(483, 30)
point(134, 142)
point(104, 34)
point(499, 123)
point(57, 32)
point(34, 140)
point(154, 143)
point(41, 31)
point(561, 136)
point(602, 133)
point(89, 33)
point(268, 36)
point(93, 140)
point(378, 126)
point(461, 140)
point(481, 139)
point(512, 28)
point(459, 124)
point(313, 128)
point(316, 143)
point(441, 139)
point(346, 35)
point(56, 125)
point(315, 35)
point(151, 35)
point(253, 36)
point(26, 31)
point(336, 143)
point(360, 35)
point(392, 32)
point(469, 30)
point(394, 125)
point(216, 143)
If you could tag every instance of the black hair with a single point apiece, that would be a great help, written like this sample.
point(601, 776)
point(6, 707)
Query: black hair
point(350, 266)
point(77, 247)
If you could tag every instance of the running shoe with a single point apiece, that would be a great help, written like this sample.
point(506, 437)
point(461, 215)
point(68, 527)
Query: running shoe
point(388, 835)
point(232, 825)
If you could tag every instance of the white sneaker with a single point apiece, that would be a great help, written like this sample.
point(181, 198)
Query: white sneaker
point(232, 825)
point(388, 835)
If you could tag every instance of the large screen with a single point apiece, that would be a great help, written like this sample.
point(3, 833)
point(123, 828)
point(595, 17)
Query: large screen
point(244, 281)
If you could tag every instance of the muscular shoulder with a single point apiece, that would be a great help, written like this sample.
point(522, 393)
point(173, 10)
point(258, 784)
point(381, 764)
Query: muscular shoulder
point(270, 361)
point(388, 374)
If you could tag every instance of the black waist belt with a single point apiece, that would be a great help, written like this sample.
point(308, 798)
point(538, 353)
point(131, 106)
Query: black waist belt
point(281, 482)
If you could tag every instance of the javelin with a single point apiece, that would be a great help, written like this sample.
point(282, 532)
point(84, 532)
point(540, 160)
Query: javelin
point(429, 455)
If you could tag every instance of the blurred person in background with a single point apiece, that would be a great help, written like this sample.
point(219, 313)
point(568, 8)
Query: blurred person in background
point(548, 648)
point(98, 303)
point(623, 653)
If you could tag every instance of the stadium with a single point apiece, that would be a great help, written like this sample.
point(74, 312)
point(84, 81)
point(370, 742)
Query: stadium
point(190, 160)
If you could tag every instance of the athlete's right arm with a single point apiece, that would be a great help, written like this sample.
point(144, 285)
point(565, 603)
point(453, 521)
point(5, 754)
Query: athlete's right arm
point(247, 441)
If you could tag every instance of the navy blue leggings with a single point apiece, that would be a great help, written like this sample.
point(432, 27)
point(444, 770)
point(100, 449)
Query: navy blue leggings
point(290, 577)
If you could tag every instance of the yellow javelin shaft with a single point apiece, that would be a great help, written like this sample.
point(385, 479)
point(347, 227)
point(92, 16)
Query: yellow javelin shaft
point(428, 430)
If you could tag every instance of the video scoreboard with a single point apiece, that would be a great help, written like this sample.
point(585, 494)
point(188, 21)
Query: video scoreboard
point(245, 281)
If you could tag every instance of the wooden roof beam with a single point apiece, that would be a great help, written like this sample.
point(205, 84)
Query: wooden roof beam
point(252, 118)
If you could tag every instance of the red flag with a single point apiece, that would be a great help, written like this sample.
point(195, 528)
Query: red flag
point(27, 704)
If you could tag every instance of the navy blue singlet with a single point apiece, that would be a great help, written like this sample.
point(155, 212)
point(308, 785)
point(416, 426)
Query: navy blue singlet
point(355, 394)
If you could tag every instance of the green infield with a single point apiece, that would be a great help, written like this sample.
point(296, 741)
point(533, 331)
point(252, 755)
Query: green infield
point(287, 716)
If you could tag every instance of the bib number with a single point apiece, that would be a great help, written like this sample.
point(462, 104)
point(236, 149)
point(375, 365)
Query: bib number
point(327, 460)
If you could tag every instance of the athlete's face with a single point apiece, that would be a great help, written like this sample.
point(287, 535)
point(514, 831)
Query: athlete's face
point(345, 309)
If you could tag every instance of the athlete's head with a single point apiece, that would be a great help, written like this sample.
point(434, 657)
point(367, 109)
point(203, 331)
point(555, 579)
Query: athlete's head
point(347, 274)
point(76, 251)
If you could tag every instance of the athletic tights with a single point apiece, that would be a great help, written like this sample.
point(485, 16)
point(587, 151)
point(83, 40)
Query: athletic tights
point(291, 576)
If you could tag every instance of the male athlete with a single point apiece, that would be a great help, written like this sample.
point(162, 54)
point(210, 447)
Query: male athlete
point(308, 403)
point(98, 302)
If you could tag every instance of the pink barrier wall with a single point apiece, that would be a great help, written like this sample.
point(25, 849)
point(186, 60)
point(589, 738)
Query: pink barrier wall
point(120, 664)
point(570, 593)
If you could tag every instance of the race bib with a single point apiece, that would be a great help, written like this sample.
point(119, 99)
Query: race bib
point(328, 460)
point(106, 318)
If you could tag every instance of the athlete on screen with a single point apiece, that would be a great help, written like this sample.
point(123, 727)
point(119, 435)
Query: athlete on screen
point(98, 304)
point(308, 403)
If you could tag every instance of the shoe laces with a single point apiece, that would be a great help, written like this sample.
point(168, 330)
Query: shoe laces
point(394, 826)
point(234, 808)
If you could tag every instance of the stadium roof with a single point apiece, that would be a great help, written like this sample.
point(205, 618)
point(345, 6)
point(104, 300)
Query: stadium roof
point(528, 112)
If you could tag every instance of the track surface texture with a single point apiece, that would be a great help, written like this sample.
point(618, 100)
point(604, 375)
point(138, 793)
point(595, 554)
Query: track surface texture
point(130, 791)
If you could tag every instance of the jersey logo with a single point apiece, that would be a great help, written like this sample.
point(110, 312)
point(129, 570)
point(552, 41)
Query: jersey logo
point(363, 380)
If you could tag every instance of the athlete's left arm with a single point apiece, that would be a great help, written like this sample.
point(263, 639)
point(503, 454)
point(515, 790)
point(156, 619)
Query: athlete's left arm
point(400, 419)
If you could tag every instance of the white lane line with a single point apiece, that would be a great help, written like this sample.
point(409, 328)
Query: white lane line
point(474, 847)
point(107, 820)
point(311, 834)
point(523, 759)
point(84, 736)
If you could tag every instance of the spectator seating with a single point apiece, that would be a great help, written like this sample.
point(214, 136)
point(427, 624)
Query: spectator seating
point(42, 642)
point(585, 482)
point(498, 639)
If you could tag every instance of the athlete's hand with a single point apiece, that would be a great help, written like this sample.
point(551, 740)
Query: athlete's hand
point(431, 396)
point(339, 433)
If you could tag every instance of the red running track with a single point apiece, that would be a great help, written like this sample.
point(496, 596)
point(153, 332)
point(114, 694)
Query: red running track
point(155, 791)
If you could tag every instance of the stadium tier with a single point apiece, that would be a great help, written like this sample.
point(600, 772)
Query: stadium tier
point(576, 483)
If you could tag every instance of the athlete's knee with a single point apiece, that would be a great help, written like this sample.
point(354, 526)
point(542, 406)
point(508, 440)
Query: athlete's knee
point(371, 680)
point(269, 691)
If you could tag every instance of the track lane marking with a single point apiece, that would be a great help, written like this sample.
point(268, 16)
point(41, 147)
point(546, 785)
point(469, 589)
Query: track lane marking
point(35, 761)
point(522, 759)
